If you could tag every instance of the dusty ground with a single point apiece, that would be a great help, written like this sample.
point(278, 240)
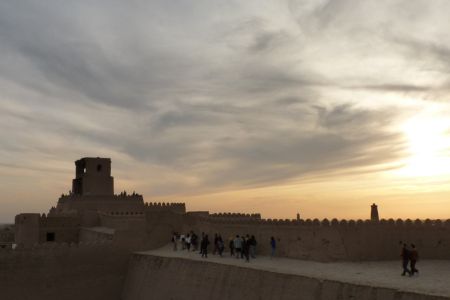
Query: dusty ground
point(434, 277)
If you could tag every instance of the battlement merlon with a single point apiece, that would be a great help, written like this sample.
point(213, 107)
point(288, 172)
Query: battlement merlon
point(173, 207)
point(119, 197)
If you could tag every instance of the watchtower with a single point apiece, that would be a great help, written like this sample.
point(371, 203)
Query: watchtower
point(374, 213)
point(93, 177)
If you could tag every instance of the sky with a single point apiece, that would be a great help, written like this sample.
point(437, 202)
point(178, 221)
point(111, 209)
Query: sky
point(278, 107)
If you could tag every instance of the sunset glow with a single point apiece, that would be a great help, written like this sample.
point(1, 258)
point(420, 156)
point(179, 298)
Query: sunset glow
point(428, 137)
point(317, 107)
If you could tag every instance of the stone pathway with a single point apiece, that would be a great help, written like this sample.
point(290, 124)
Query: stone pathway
point(434, 277)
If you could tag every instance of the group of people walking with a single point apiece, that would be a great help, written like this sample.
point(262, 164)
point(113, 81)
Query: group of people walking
point(186, 241)
point(243, 247)
point(409, 257)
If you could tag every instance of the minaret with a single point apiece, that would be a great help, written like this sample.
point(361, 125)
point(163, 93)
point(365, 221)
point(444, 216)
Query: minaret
point(374, 213)
point(298, 216)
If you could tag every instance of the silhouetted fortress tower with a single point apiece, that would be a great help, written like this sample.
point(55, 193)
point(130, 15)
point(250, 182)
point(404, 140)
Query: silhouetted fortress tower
point(92, 204)
point(93, 190)
point(93, 177)
point(374, 213)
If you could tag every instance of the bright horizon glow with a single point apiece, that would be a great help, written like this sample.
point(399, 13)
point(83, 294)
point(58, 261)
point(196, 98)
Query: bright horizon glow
point(428, 135)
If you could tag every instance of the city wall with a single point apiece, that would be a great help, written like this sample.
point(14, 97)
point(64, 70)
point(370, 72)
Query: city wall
point(121, 202)
point(335, 240)
point(56, 271)
point(31, 228)
point(154, 277)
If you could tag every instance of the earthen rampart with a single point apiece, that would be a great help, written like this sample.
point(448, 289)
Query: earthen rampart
point(123, 220)
point(100, 202)
point(212, 280)
point(336, 239)
point(63, 271)
point(35, 228)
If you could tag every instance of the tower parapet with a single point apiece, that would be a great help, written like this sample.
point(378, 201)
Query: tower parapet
point(93, 177)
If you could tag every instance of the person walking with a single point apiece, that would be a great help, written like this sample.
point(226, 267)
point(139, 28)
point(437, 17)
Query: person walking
point(246, 248)
point(215, 249)
point(273, 246)
point(413, 256)
point(238, 246)
point(203, 236)
point(231, 245)
point(183, 242)
point(204, 246)
point(194, 241)
point(243, 244)
point(253, 246)
point(174, 240)
point(220, 245)
point(188, 242)
point(405, 254)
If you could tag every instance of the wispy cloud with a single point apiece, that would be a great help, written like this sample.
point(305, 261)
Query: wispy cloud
point(215, 95)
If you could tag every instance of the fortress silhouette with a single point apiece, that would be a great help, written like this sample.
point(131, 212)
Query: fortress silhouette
point(85, 241)
point(91, 212)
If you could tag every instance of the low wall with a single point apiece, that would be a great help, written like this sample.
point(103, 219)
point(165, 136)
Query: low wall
point(154, 277)
point(61, 271)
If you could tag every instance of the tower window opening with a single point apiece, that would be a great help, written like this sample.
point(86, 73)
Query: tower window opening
point(99, 168)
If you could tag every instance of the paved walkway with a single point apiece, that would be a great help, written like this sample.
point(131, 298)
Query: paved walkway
point(434, 278)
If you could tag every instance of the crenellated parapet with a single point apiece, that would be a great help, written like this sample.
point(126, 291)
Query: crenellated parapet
point(247, 219)
point(59, 220)
point(235, 216)
point(172, 207)
point(118, 197)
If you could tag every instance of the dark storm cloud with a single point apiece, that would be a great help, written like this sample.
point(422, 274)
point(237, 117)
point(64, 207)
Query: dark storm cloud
point(212, 90)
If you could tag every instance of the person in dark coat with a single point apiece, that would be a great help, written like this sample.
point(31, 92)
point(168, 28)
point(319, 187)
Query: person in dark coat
point(246, 248)
point(204, 246)
point(273, 246)
point(220, 245)
point(413, 256)
point(231, 245)
point(194, 241)
point(215, 248)
point(405, 254)
point(253, 246)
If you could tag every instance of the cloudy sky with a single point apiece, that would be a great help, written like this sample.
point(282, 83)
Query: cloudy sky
point(321, 107)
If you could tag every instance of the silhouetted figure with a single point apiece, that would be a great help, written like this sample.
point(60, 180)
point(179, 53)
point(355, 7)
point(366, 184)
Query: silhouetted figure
point(188, 242)
point(405, 254)
point(231, 246)
point(253, 246)
point(238, 246)
point(203, 236)
point(204, 246)
point(414, 256)
point(194, 241)
point(273, 246)
point(220, 245)
point(246, 248)
point(215, 249)
point(174, 241)
point(183, 242)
